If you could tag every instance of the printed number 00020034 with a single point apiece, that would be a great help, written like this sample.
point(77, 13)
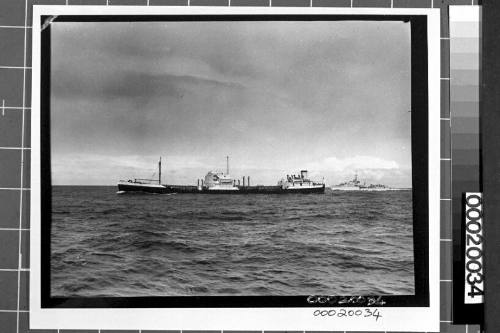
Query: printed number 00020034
point(340, 313)
point(474, 242)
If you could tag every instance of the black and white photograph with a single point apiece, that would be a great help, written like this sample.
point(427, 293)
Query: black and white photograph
point(231, 158)
point(209, 168)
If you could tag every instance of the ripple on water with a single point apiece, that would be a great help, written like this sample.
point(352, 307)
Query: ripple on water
point(113, 245)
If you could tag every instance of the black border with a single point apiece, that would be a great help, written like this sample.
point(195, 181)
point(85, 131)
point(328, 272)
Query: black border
point(419, 141)
point(490, 158)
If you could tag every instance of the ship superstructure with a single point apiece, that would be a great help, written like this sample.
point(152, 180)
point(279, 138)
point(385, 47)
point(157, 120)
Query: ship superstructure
point(351, 185)
point(219, 181)
point(376, 187)
point(356, 185)
point(300, 183)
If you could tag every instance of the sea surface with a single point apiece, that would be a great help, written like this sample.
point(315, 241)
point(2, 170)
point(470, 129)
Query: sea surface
point(340, 243)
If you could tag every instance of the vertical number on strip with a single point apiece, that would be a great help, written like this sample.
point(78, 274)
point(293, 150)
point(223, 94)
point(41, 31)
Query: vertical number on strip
point(474, 278)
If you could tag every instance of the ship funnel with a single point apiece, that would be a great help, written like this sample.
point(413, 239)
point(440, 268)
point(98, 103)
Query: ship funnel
point(303, 174)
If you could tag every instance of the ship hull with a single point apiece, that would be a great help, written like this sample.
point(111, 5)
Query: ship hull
point(166, 189)
point(158, 189)
point(345, 188)
point(141, 188)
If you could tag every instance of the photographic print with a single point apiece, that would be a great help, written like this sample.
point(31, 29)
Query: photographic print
point(285, 158)
point(209, 162)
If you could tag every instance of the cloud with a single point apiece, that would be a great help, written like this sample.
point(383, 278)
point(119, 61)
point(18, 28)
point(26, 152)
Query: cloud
point(370, 169)
point(99, 169)
point(327, 99)
point(133, 85)
point(354, 163)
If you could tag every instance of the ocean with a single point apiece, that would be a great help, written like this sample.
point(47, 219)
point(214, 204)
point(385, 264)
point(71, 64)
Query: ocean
point(338, 243)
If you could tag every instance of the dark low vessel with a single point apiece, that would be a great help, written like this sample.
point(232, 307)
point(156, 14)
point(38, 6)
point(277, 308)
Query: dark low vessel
point(135, 187)
point(223, 183)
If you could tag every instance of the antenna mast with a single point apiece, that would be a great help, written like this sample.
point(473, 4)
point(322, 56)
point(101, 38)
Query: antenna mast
point(159, 172)
point(227, 165)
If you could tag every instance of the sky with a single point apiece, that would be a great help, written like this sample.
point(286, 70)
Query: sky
point(277, 97)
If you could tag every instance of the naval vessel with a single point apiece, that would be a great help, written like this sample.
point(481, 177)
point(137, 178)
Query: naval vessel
point(356, 185)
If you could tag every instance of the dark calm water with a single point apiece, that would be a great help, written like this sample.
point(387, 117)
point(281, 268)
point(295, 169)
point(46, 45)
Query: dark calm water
point(104, 244)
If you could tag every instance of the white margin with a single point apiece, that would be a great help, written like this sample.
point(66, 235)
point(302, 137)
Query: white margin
point(301, 319)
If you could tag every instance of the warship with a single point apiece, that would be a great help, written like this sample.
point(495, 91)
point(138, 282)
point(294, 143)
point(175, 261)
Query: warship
point(351, 185)
point(356, 185)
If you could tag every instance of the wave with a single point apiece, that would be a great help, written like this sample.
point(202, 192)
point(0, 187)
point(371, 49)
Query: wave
point(104, 244)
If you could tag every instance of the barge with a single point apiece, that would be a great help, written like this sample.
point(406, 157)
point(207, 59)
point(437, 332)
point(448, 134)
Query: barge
point(223, 183)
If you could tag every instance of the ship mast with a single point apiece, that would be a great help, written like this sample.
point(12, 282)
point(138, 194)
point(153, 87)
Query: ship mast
point(227, 165)
point(159, 171)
